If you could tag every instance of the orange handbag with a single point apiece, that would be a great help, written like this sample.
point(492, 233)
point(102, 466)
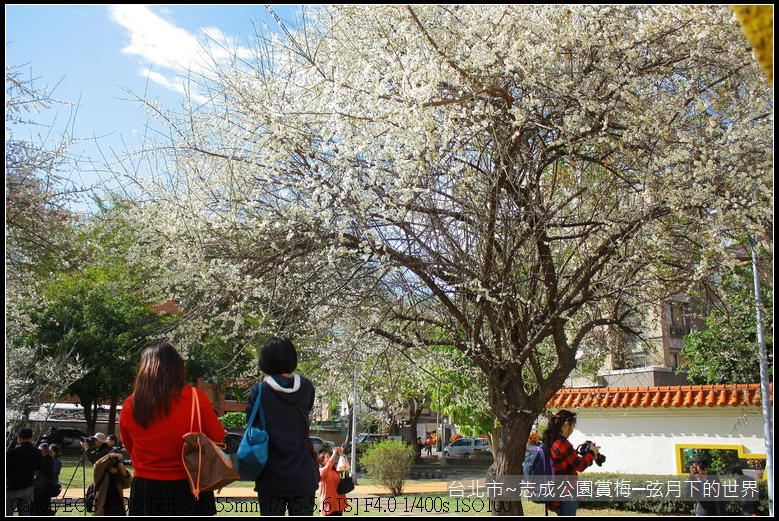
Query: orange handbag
point(208, 467)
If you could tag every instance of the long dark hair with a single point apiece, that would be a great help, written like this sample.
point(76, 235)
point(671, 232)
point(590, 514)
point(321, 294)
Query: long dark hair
point(554, 429)
point(161, 376)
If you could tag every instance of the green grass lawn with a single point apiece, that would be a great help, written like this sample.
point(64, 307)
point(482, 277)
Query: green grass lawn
point(429, 504)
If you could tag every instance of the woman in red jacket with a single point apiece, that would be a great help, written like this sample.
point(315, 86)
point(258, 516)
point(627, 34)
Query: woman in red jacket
point(331, 503)
point(152, 425)
point(565, 459)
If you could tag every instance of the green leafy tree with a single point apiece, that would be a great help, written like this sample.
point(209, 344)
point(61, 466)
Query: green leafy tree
point(458, 390)
point(726, 351)
point(233, 420)
point(86, 314)
point(38, 233)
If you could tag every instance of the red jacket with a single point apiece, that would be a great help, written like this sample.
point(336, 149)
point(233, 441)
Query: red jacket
point(155, 452)
point(330, 501)
point(567, 462)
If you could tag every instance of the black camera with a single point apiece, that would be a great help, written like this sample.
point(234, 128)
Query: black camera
point(586, 447)
point(88, 439)
point(114, 462)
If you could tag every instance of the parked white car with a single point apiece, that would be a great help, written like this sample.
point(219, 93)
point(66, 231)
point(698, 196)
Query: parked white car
point(467, 447)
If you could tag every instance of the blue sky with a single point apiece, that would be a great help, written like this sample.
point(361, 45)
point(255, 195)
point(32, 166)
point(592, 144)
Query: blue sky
point(95, 53)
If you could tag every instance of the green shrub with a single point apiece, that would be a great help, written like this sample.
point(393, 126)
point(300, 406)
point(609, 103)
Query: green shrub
point(389, 462)
point(233, 420)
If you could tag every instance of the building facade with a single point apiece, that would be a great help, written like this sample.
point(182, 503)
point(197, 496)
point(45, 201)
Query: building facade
point(646, 430)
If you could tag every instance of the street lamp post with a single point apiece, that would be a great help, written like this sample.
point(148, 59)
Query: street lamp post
point(764, 381)
point(354, 420)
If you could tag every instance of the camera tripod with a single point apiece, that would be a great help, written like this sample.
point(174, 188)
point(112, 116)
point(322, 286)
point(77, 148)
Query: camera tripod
point(81, 463)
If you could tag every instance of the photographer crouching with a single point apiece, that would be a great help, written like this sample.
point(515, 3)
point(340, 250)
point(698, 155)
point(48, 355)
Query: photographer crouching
point(111, 478)
point(566, 461)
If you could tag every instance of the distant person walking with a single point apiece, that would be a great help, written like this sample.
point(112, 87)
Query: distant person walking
point(152, 424)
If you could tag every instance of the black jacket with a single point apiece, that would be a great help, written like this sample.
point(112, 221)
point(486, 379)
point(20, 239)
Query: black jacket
point(291, 471)
point(21, 462)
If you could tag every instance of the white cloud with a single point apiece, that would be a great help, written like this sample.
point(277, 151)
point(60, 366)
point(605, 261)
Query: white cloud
point(169, 50)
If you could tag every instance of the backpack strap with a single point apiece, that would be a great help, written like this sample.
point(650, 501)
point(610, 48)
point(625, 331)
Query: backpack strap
point(547, 452)
point(258, 405)
point(301, 424)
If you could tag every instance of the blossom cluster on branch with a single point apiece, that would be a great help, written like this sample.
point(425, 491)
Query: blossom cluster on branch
point(501, 180)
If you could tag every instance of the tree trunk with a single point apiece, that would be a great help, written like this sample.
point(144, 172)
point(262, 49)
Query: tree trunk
point(493, 437)
point(89, 416)
point(509, 456)
point(415, 408)
point(111, 429)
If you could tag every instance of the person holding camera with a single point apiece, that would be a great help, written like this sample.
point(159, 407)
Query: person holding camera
point(699, 472)
point(95, 447)
point(566, 460)
point(111, 478)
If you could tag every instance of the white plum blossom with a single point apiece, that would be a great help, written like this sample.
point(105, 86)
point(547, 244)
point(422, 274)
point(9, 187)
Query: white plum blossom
point(504, 180)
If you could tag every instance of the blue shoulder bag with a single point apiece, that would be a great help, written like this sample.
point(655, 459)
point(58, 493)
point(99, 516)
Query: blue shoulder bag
point(253, 451)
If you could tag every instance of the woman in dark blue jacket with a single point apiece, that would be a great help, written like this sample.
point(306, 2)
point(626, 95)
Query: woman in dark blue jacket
point(291, 477)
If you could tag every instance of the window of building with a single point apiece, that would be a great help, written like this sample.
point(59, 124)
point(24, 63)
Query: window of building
point(683, 319)
point(719, 457)
point(633, 354)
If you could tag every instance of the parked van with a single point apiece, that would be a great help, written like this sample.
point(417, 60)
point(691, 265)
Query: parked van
point(467, 447)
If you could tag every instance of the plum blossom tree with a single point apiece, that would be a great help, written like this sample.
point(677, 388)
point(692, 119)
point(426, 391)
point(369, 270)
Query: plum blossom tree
point(500, 180)
point(36, 242)
point(36, 190)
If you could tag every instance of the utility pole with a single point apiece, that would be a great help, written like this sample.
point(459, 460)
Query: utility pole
point(354, 420)
point(765, 389)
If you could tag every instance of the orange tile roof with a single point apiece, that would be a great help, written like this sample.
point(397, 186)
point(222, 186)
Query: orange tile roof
point(667, 396)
